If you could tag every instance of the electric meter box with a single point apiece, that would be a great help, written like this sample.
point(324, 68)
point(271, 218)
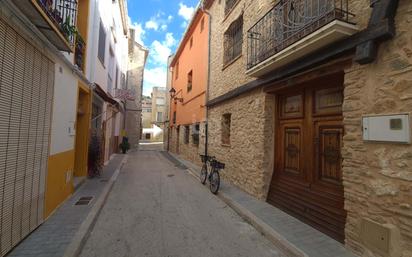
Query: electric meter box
point(387, 128)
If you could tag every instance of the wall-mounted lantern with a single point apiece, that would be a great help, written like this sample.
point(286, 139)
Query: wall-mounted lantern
point(172, 93)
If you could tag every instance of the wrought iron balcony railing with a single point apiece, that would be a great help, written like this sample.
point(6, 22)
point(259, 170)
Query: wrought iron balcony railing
point(288, 22)
point(63, 13)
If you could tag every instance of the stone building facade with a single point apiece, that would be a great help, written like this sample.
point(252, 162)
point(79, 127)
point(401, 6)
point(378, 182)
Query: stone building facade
point(137, 61)
point(370, 70)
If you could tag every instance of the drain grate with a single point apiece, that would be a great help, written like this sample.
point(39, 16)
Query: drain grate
point(104, 180)
point(85, 200)
point(170, 175)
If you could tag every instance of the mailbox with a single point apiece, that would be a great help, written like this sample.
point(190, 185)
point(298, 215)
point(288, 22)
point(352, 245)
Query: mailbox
point(387, 128)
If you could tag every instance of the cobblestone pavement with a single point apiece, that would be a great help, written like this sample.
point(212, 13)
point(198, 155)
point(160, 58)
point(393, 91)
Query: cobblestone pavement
point(156, 208)
point(53, 237)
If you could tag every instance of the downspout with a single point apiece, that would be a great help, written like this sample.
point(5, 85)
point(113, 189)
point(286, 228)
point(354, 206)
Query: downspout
point(208, 76)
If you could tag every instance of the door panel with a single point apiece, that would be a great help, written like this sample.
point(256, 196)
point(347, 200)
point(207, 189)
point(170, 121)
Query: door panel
point(307, 180)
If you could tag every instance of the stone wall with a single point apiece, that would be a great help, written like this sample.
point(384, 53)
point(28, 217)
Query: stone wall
point(378, 176)
point(189, 151)
point(249, 156)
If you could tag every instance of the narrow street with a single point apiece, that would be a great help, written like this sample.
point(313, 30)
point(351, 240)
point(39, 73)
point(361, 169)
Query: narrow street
point(156, 208)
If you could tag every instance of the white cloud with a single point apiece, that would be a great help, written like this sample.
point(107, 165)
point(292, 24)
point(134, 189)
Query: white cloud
point(159, 22)
point(155, 77)
point(160, 51)
point(170, 40)
point(185, 11)
point(139, 31)
point(151, 24)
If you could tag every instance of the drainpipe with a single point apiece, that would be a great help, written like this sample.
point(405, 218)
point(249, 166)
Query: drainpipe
point(208, 76)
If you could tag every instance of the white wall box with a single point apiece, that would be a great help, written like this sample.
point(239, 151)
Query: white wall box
point(387, 128)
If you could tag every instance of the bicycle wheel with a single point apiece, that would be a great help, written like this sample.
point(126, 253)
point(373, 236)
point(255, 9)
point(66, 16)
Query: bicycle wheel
point(203, 174)
point(214, 182)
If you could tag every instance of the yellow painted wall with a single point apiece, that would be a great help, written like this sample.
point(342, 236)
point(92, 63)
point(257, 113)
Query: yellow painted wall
point(82, 131)
point(83, 18)
point(57, 190)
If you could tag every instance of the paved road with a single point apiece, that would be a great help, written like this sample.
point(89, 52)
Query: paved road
point(157, 209)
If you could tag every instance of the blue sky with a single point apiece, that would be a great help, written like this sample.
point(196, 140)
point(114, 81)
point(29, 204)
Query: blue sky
point(159, 26)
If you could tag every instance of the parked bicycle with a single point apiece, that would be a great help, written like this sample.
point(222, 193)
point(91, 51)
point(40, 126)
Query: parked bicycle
point(210, 171)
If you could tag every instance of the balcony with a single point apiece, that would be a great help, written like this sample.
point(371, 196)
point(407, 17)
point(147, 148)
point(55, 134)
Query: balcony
point(293, 29)
point(56, 19)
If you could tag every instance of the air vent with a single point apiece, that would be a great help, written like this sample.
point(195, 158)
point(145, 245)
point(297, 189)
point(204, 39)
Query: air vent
point(85, 200)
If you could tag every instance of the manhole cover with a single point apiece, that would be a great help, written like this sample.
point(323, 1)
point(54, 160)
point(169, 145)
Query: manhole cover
point(170, 175)
point(85, 200)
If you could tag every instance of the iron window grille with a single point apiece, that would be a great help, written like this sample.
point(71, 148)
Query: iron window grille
point(233, 41)
point(195, 134)
point(186, 134)
point(288, 22)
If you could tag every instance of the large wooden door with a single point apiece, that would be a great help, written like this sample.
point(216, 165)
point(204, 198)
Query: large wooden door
point(307, 180)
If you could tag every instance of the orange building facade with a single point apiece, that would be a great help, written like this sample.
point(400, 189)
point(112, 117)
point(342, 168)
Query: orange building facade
point(189, 86)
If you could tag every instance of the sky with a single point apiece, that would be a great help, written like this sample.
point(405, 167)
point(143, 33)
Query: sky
point(159, 26)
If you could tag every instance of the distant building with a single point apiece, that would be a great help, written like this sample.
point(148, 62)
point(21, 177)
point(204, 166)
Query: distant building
point(137, 60)
point(146, 117)
point(159, 96)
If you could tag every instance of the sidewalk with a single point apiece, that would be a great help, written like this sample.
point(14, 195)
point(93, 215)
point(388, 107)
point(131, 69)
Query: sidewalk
point(61, 230)
point(292, 236)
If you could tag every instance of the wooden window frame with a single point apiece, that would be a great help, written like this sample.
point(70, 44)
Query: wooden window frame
point(190, 81)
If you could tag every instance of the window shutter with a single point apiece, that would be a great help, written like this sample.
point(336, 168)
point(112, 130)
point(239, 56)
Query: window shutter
point(26, 93)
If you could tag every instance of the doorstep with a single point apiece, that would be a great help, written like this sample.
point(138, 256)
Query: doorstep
point(290, 235)
point(60, 233)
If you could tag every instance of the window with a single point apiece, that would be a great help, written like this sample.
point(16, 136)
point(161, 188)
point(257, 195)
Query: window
point(160, 101)
point(177, 70)
point(123, 85)
point(117, 77)
point(233, 39)
point(202, 24)
point(189, 81)
point(102, 43)
point(226, 120)
point(195, 134)
point(186, 135)
point(110, 72)
point(147, 136)
point(174, 117)
point(191, 42)
point(159, 117)
point(229, 4)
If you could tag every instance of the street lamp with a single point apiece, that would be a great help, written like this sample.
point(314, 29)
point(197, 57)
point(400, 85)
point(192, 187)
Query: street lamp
point(172, 93)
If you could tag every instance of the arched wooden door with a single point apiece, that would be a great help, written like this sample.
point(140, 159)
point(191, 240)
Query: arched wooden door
point(307, 180)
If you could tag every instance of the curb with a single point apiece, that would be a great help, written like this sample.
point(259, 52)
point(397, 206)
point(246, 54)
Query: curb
point(79, 239)
point(287, 248)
